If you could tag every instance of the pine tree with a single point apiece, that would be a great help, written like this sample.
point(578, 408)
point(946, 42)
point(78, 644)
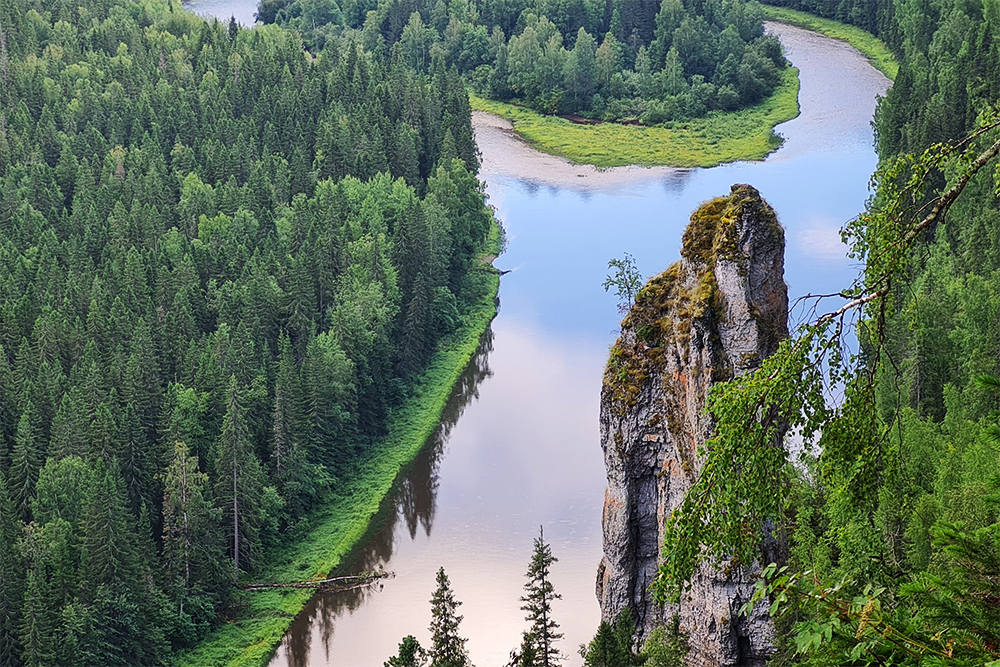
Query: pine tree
point(447, 647)
point(25, 464)
point(186, 516)
point(11, 580)
point(37, 622)
point(538, 604)
point(238, 485)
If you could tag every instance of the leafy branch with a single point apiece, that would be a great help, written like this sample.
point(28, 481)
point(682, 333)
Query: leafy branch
point(743, 487)
point(627, 281)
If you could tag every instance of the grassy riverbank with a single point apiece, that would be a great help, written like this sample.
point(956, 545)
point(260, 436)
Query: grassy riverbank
point(250, 639)
point(874, 49)
point(704, 142)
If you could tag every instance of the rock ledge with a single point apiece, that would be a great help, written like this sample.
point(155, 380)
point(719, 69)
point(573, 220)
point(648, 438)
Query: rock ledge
point(715, 314)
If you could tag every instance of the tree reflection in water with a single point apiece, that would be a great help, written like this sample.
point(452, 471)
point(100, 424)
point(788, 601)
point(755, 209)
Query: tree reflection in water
point(413, 502)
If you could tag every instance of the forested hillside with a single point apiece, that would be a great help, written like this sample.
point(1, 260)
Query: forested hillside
point(893, 521)
point(606, 59)
point(222, 260)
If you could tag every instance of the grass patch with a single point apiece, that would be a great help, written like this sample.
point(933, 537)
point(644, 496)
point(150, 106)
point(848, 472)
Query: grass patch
point(870, 46)
point(720, 137)
point(250, 639)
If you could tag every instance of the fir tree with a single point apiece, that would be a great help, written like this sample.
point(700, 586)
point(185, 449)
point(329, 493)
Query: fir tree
point(108, 536)
point(25, 464)
point(447, 647)
point(612, 645)
point(186, 516)
point(11, 580)
point(538, 603)
point(410, 654)
point(238, 486)
point(37, 623)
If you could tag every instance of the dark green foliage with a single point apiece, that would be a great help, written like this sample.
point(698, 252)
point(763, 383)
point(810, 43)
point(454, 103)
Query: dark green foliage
point(538, 645)
point(610, 59)
point(37, 628)
point(411, 654)
point(11, 580)
point(613, 645)
point(26, 460)
point(205, 242)
point(109, 538)
point(447, 646)
point(189, 546)
point(238, 482)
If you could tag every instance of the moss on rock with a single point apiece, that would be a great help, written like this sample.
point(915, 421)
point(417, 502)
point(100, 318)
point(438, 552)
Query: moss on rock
point(668, 304)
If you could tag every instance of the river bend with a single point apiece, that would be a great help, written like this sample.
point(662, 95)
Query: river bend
point(519, 446)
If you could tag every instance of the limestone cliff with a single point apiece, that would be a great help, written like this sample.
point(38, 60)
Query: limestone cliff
point(715, 314)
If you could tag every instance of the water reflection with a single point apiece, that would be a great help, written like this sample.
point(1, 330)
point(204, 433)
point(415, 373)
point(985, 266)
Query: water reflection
point(413, 503)
point(528, 452)
point(244, 11)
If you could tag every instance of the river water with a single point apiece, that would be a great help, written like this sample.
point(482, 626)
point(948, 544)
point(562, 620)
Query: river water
point(519, 447)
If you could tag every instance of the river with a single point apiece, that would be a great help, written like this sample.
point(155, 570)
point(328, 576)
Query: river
point(519, 447)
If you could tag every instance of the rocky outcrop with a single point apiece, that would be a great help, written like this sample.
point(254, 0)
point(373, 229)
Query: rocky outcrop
point(715, 314)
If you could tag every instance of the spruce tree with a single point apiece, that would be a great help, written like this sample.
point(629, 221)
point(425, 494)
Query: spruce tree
point(447, 647)
point(186, 517)
point(612, 645)
point(538, 603)
point(108, 536)
point(37, 626)
point(11, 580)
point(238, 485)
point(410, 654)
point(26, 461)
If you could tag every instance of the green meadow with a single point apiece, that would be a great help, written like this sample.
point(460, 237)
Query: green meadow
point(720, 137)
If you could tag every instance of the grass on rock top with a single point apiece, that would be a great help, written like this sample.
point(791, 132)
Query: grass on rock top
point(667, 306)
point(720, 137)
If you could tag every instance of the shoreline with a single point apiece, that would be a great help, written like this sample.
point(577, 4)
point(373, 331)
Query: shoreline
point(719, 138)
point(336, 529)
point(871, 47)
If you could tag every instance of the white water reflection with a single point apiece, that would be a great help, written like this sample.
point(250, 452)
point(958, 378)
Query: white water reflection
point(526, 451)
point(244, 11)
point(522, 455)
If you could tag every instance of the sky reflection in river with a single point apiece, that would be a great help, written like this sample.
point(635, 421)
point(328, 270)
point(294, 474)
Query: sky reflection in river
point(526, 451)
point(244, 11)
point(524, 454)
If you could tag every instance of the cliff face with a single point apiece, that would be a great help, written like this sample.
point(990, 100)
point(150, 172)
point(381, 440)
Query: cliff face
point(714, 315)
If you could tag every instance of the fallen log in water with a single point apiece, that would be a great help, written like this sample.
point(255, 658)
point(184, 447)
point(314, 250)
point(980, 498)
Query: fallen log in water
point(330, 585)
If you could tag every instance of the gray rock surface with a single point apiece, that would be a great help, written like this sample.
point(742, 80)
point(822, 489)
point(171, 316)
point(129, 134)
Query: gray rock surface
point(715, 314)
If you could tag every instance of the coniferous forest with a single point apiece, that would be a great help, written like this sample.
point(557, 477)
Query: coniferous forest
point(222, 261)
point(225, 256)
point(893, 520)
point(604, 59)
